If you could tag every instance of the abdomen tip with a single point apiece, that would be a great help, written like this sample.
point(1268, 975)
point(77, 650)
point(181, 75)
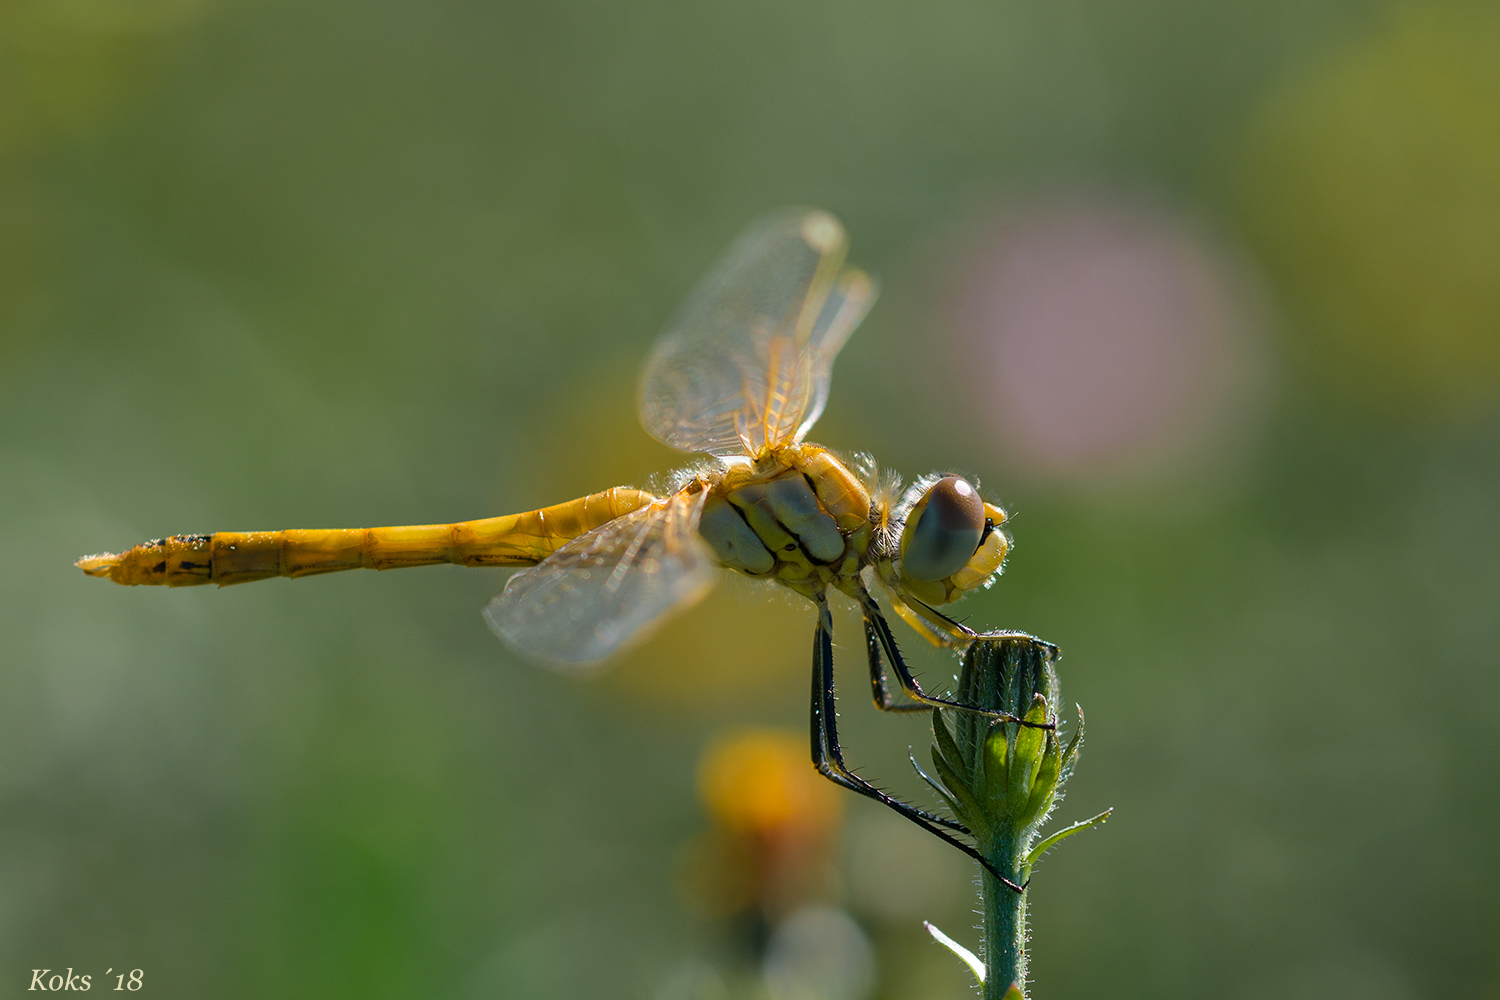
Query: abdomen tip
point(99, 565)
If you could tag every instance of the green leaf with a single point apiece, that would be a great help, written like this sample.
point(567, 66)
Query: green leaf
point(1071, 754)
point(972, 815)
point(946, 744)
point(969, 958)
point(936, 787)
point(1035, 854)
point(994, 764)
point(1027, 758)
point(1045, 785)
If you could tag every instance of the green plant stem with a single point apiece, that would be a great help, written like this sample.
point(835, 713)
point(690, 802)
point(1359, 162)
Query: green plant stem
point(1004, 912)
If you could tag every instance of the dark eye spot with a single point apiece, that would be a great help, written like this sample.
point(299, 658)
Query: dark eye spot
point(790, 547)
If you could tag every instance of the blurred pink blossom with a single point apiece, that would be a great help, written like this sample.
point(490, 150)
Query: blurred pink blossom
point(1101, 332)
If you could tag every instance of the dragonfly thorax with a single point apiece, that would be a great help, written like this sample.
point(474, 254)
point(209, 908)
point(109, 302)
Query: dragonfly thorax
point(800, 518)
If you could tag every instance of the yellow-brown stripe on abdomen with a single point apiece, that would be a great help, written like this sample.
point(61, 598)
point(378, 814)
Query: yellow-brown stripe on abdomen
point(228, 557)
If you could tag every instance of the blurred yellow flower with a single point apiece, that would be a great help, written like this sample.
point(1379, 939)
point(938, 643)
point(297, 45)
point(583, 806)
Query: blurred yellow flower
point(63, 62)
point(65, 66)
point(1372, 191)
point(762, 782)
point(769, 849)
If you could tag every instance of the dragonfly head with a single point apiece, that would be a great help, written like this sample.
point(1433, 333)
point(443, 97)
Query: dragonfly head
point(950, 539)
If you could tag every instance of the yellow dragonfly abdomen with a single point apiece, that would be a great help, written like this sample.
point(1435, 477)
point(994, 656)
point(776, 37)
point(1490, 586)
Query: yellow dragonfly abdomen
point(227, 557)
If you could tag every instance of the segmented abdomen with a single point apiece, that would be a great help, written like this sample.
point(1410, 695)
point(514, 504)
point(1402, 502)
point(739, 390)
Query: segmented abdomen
point(238, 557)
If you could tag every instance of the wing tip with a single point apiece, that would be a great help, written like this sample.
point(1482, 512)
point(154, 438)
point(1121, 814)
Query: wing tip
point(822, 230)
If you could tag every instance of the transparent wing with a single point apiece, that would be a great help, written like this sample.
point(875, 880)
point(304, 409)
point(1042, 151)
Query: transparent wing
point(848, 301)
point(609, 588)
point(747, 362)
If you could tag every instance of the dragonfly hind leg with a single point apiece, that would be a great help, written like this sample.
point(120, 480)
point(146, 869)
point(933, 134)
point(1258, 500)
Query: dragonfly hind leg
point(828, 756)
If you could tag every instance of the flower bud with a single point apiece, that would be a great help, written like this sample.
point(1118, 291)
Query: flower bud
point(1000, 770)
point(1000, 776)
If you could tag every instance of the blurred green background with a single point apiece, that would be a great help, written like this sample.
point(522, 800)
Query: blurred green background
point(1209, 294)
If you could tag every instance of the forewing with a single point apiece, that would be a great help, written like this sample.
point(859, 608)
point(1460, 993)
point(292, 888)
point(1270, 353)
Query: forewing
point(846, 305)
point(609, 588)
point(746, 363)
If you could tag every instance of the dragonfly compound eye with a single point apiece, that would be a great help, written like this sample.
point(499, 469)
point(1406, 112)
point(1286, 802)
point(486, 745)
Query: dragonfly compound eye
point(948, 527)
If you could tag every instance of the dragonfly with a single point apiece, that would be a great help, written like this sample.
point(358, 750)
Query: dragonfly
point(738, 377)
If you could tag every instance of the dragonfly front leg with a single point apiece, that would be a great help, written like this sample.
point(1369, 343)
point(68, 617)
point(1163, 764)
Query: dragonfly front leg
point(828, 756)
point(879, 692)
point(878, 640)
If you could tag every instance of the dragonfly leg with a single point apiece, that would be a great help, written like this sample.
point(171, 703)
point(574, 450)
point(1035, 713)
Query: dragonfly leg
point(828, 756)
point(879, 690)
point(879, 640)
